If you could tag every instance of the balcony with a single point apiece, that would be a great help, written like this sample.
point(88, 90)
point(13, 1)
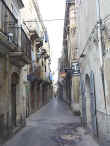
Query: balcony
point(39, 42)
point(36, 75)
point(13, 39)
point(42, 53)
point(22, 55)
point(35, 37)
point(39, 75)
point(7, 23)
point(25, 45)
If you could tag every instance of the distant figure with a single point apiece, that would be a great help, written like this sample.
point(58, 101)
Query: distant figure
point(55, 95)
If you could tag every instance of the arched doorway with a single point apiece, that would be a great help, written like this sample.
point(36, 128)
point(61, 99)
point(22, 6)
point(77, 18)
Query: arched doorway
point(93, 105)
point(88, 100)
point(14, 82)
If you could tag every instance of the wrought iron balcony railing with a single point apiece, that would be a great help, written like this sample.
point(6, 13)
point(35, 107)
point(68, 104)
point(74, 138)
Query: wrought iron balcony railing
point(25, 44)
point(8, 22)
point(35, 75)
point(15, 34)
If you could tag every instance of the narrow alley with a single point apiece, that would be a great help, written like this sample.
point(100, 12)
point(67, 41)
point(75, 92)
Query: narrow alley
point(54, 72)
point(53, 125)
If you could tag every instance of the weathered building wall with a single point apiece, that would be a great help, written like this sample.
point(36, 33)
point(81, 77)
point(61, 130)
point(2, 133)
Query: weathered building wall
point(6, 102)
point(69, 85)
point(40, 69)
point(30, 13)
point(91, 63)
point(12, 94)
point(86, 20)
point(73, 57)
point(104, 8)
point(97, 88)
point(102, 113)
point(4, 96)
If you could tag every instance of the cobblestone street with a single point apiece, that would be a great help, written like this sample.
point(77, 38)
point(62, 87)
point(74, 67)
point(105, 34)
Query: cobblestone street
point(53, 125)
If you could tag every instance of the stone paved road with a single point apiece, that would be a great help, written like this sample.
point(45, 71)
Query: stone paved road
point(53, 125)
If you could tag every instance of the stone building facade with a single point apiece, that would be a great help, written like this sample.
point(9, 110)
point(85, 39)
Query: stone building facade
point(25, 74)
point(70, 84)
point(39, 75)
point(93, 50)
point(15, 53)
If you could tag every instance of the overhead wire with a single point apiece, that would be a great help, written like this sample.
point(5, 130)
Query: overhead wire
point(46, 20)
point(49, 20)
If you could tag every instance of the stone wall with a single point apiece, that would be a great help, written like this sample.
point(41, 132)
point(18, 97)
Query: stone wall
point(103, 127)
point(4, 96)
point(86, 20)
point(87, 42)
point(91, 63)
point(6, 71)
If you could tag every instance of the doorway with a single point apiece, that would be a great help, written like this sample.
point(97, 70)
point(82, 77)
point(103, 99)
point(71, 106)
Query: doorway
point(84, 115)
point(93, 105)
point(88, 100)
point(14, 83)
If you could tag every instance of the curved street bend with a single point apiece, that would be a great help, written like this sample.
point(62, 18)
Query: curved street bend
point(53, 125)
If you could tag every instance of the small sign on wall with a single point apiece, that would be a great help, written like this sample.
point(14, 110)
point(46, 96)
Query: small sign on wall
point(75, 68)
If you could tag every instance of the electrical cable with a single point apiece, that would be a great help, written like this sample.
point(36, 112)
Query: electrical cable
point(46, 20)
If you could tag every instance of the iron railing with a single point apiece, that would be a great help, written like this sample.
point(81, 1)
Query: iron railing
point(9, 27)
point(25, 44)
point(8, 22)
point(35, 75)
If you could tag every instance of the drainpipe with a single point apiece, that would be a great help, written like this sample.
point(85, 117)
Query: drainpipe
point(99, 24)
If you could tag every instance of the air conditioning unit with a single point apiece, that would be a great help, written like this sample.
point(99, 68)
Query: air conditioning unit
point(10, 37)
